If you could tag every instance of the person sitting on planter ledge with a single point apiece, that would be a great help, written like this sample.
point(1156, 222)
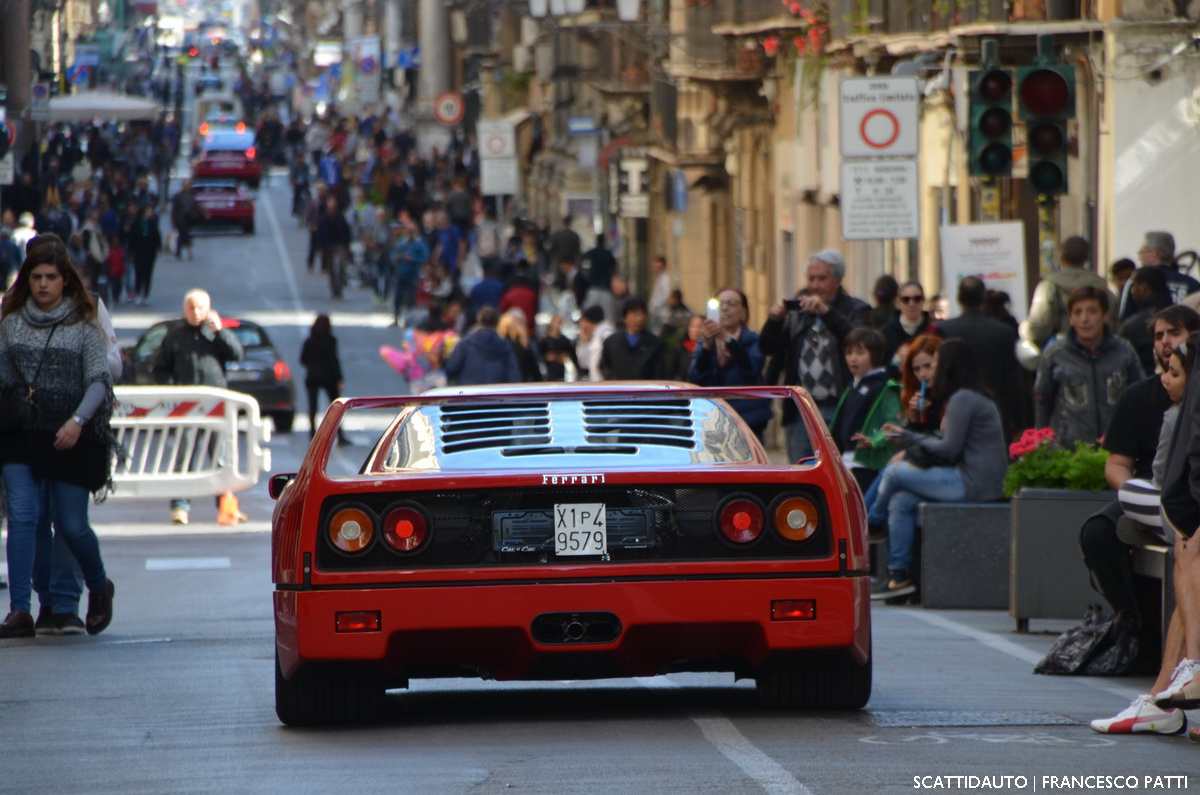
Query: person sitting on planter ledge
point(1082, 374)
point(966, 464)
point(1181, 511)
point(1132, 444)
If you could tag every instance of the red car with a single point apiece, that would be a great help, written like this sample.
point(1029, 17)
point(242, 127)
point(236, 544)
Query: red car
point(567, 532)
point(223, 201)
point(228, 154)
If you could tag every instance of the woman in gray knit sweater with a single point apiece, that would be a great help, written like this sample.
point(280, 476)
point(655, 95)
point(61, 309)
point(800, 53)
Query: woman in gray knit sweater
point(52, 352)
point(966, 463)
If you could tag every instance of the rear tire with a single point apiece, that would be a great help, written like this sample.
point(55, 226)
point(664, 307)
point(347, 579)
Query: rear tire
point(284, 422)
point(328, 696)
point(248, 228)
point(801, 684)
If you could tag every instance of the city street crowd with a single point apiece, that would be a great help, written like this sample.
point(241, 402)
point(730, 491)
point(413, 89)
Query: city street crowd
point(922, 406)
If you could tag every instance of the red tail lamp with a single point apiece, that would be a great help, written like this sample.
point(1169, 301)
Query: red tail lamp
point(793, 609)
point(358, 621)
point(405, 529)
point(282, 371)
point(741, 520)
point(796, 518)
point(351, 529)
point(251, 153)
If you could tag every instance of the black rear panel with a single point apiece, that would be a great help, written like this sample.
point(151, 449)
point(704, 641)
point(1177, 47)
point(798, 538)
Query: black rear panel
point(681, 525)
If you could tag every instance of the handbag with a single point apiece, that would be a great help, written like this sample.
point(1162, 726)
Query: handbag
point(1100, 646)
point(919, 457)
point(16, 404)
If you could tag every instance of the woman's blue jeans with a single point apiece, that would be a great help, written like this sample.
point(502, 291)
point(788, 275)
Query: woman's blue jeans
point(902, 487)
point(28, 500)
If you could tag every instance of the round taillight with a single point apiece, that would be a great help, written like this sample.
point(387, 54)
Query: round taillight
point(351, 529)
point(740, 520)
point(796, 518)
point(405, 529)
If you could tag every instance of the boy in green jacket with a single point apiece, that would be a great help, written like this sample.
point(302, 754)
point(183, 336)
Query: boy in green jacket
point(864, 406)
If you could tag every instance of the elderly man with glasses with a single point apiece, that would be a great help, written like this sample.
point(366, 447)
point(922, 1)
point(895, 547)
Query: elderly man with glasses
point(808, 332)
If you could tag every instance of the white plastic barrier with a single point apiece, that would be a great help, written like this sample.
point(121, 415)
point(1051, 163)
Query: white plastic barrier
point(187, 441)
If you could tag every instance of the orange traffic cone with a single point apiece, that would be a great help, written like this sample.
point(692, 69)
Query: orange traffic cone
point(227, 509)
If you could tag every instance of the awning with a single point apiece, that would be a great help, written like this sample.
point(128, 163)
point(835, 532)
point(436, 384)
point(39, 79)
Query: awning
point(103, 105)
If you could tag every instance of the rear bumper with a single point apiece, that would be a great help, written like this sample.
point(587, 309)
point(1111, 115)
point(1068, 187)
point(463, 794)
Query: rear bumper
point(227, 215)
point(201, 171)
point(485, 630)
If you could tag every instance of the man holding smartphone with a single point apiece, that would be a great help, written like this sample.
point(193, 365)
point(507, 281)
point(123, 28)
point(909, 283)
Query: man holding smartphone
point(808, 332)
point(194, 353)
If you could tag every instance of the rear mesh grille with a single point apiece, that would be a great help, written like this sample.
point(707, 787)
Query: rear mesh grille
point(508, 425)
point(639, 422)
point(681, 523)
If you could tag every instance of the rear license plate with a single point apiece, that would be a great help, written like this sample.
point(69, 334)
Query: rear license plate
point(538, 530)
point(243, 375)
point(580, 529)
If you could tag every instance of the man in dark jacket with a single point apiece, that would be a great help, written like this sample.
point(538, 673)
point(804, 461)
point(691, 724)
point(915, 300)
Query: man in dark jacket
point(483, 356)
point(808, 334)
point(635, 354)
point(994, 346)
point(1149, 288)
point(195, 353)
point(333, 241)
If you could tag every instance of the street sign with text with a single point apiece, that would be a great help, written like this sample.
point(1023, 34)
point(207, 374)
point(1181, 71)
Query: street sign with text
point(879, 116)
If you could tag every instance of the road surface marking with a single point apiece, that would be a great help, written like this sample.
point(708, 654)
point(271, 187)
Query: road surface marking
point(1011, 649)
point(734, 746)
point(284, 259)
point(181, 564)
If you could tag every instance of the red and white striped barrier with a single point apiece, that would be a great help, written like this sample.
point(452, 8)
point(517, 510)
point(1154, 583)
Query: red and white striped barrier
point(187, 441)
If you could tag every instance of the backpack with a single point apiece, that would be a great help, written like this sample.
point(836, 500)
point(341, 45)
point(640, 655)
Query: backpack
point(1100, 646)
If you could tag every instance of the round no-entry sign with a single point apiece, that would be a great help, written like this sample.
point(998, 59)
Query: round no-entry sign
point(448, 109)
point(879, 116)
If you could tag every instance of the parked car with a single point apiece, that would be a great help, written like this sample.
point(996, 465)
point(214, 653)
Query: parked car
point(262, 373)
point(577, 531)
point(228, 154)
point(223, 201)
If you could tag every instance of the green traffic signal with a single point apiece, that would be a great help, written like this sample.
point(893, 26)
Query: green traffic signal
point(991, 122)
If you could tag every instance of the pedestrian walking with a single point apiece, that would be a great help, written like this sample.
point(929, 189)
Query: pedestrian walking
point(323, 370)
point(185, 211)
point(53, 354)
point(145, 244)
point(483, 356)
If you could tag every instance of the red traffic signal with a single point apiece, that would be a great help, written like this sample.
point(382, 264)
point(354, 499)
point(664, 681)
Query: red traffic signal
point(1045, 93)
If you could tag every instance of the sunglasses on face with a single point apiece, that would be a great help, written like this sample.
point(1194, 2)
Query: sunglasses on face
point(911, 299)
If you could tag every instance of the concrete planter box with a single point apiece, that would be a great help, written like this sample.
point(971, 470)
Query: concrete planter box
point(1048, 577)
point(965, 551)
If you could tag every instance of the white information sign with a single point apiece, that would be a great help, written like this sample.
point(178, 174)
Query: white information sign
point(879, 200)
point(496, 139)
point(994, 253)
point(879, 116)
point(7, 169)
point(499, 176)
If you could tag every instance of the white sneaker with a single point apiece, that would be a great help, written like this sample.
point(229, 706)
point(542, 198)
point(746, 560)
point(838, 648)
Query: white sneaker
point(1142, 717)
point(1184, 690)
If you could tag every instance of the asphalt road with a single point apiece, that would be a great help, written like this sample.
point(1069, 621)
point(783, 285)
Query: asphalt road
point(177, 695)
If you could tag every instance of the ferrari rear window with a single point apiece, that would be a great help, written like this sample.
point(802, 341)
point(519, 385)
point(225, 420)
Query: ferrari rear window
point(612, 433)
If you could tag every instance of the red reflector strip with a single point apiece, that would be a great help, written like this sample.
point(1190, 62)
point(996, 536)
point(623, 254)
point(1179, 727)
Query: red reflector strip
point(793, 609)
point(361, 621)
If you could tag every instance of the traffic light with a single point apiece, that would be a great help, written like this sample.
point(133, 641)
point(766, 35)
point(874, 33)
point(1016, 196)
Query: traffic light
point(991, 122)
point(1046, 94)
